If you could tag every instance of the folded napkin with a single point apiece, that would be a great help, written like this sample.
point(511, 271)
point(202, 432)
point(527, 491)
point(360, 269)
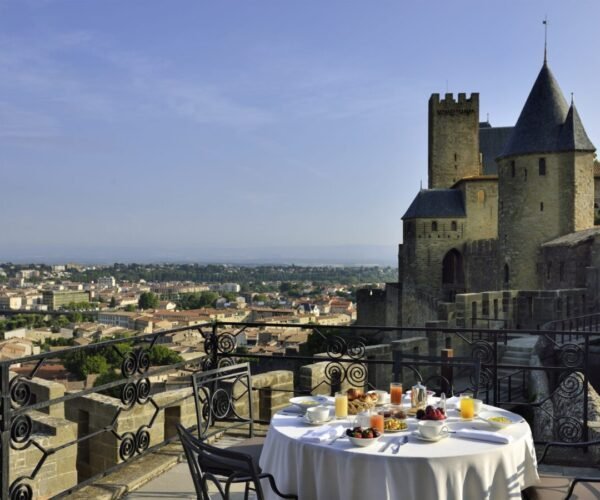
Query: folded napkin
point(323, 434)
point(493, 437)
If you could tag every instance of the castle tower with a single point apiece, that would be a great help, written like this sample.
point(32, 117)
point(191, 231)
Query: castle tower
point(453, 139)
point(545, 182)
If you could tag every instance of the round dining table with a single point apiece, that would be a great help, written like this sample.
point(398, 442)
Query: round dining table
point(453, 468)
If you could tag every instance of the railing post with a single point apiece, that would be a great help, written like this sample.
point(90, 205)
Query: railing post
point(446, 371)
point(495, 374)
point(585, 386)
point(5, 430)
point(215, 344)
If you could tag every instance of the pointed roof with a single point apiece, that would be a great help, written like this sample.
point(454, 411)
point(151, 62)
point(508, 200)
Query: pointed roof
point(436, 203)
point(539, 125)
point(572, 136)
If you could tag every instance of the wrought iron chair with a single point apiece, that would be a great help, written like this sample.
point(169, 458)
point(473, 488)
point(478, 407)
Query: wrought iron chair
point(224, 403)
point(559, 487)
point(208, 464)
point(442, 380)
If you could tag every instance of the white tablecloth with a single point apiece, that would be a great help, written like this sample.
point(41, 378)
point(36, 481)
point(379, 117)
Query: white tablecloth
point(450, 469)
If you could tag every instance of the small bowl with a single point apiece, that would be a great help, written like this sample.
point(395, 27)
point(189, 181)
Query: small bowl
point(318, 413)
point(488, 415)
point(362, 442)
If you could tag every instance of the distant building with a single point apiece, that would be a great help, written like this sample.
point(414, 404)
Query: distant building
point(55, 299)
point(107, 282)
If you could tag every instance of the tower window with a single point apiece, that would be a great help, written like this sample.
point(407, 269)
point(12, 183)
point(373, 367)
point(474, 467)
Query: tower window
point(512, 168)
point(542, 166)
point(561, 271)
point(434, 226)
point(453, 225)
point(455, 157)
point(541, 206)
point(525, 174)
point(548, 270)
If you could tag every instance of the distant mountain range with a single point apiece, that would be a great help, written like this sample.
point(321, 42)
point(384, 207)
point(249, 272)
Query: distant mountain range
point(342, 255)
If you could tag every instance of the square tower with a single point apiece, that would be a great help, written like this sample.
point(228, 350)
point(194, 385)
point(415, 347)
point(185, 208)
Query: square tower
point(453, 139)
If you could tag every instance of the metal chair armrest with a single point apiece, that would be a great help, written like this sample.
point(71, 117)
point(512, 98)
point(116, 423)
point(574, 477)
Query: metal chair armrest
point(266, 475)
point(583, 444)
point(580, 480)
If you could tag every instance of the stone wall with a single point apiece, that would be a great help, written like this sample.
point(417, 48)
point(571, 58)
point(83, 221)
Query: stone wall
point(481, 271)
point(481, 205)
point(564, 266)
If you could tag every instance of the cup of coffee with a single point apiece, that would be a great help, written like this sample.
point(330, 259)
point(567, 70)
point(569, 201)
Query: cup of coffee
point(477, 405)
point(431, 429)
point(317, 413)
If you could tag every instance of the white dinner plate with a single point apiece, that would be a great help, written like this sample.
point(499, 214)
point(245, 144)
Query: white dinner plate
point(418, 435)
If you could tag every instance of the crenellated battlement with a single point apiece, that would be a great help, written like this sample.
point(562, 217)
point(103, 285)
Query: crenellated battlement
point(450, 103)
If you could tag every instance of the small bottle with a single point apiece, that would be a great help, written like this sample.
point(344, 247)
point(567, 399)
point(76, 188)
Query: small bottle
point(442, 403)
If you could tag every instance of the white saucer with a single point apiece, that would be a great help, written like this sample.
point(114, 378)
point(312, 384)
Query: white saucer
point(305, 419)
point(418, 435)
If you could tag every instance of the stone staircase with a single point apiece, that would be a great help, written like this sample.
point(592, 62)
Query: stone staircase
point(518, 352)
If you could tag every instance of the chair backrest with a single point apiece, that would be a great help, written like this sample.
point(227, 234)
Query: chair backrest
point(449, 375)
point(207, 462)
point(223, 399)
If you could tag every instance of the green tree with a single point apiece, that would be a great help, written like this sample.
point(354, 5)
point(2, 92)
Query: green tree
point(113, 302)
point(130, 308)
point(148, 300)
point(161, 355)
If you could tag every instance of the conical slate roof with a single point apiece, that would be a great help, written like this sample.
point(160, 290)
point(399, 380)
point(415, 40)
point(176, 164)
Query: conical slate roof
point(539, 125)
point(572, 136)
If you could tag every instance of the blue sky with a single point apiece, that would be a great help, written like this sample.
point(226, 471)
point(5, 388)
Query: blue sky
point(178, 129)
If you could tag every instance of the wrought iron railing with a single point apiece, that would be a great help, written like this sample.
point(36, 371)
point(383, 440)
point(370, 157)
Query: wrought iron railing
point(355, 356)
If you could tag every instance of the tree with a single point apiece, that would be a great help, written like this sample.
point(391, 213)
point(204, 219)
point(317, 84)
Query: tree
point(113, 302)
point(130, 308)
point(148, 300)
point(161, 355)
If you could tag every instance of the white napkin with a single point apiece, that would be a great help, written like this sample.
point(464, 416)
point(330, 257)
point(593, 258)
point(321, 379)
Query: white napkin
point(323, 434)
point(453, 402)
point(493, 437)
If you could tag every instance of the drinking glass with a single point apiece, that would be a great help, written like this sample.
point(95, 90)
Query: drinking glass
point(467, 406)
point(377, 421)
point(341, 405)
point(396, 393)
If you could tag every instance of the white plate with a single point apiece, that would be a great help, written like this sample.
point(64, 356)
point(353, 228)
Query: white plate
point(305, 402)
point(418, 435)
point(305, 419)
point(513, 419)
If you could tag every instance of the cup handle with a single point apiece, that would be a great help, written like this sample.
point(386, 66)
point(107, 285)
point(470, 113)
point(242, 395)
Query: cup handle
point(445, 429)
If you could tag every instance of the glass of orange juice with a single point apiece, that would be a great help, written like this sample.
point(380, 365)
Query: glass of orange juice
point(377, 421)
point(396, 393)
point(341, 405)
point(467, 406)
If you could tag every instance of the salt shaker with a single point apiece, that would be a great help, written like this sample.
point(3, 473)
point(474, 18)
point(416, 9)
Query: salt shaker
point(442, 403)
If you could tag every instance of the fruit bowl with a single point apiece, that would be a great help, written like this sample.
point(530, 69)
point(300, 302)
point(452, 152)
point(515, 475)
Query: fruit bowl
point(431, 413)
point(363, 441)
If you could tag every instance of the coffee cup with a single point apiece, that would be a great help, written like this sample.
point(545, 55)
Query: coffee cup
point(318, 413)
point(431, 429)
point(477, 405)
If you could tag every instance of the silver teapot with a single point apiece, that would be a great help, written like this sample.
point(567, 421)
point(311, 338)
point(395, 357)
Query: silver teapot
point(418, 396)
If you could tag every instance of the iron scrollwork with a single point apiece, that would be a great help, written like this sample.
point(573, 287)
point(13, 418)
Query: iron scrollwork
point(127, 447)
point(20, 491)
point(21, 428)
point(20, 392)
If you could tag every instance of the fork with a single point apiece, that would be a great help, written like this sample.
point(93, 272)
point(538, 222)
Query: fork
point(398, 444)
